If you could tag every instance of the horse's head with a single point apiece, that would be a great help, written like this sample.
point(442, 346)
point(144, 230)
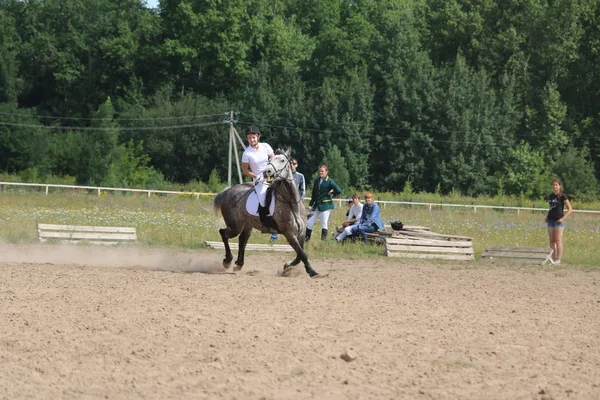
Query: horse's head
point(279, 166)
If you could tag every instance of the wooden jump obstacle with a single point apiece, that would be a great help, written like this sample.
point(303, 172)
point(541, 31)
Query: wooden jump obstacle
point(420, 242)
point(105, 235)
point(523, 255)
point(251, 246)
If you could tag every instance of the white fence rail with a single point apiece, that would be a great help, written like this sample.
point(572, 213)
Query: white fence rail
point(47, 186)
point(99, 190)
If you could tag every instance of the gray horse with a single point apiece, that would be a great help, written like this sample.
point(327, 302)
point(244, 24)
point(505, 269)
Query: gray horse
point(289, 216)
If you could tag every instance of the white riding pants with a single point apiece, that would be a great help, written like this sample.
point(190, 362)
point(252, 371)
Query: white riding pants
point(324, 219)
point(346, 232)
point(260, 186)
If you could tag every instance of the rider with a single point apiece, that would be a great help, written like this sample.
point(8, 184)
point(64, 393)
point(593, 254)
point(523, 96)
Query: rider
point(254, 161)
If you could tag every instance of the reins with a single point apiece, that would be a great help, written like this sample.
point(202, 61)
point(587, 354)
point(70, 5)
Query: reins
point(277, 180)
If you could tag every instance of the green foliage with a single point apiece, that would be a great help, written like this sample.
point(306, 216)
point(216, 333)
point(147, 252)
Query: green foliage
point(337, 168)
point(9, 50)
point(407, 191)
point(576, 171)
point(99, 149)
point(478, 97)
point(526, 172)
point(214, 184)
point(23, 142)
point(129, 168)
point(552, 120)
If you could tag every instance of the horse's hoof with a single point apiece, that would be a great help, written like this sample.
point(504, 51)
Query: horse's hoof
point(291, 263)
point(238, 266)
point(289, 271)
point(226, 263)
point(315, 274)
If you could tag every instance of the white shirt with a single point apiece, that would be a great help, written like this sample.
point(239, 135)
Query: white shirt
point(355, 211)
point(257, 158)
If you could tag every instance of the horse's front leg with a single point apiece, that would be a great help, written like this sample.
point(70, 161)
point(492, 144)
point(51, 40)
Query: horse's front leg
point(244, 236)
point(225, 235)
point(296, 260)
point(300, 255)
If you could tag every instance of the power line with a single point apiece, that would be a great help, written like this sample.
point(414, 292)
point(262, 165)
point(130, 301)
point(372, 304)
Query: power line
point(109, 119)
point(390, 137)
point(91, 128)
point(411, 128)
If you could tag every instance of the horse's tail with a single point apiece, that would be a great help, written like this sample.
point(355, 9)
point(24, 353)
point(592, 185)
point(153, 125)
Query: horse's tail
point(217, 203)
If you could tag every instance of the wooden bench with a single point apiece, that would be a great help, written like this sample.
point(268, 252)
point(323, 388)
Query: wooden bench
point(107, 235)
point(524, 255)
point(250, 246)
point(417, 247)
point(385, 233)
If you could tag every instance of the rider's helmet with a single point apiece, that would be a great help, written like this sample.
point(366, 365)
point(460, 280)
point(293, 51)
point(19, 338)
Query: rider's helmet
point(253, 129)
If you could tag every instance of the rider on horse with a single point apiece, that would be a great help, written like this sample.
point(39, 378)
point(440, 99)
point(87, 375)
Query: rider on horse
point(254, 161)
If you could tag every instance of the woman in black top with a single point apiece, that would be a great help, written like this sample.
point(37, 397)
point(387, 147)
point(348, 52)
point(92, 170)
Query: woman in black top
point(556, 219)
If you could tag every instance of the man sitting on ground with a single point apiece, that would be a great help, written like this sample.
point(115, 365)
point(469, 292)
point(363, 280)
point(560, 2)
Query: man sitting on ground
point(370, 220)
point(353, 214)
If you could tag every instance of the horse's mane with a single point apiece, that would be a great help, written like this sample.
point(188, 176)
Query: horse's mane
point(285, 187)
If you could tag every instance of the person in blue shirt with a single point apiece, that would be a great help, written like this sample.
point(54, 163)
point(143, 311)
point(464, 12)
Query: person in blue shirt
point(370, 220)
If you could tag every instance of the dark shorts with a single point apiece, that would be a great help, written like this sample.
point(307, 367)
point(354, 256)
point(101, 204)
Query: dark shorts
point(555, 224)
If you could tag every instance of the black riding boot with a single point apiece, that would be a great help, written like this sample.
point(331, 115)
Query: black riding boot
point(308, 233)
point(262, 214)
point(323, 234)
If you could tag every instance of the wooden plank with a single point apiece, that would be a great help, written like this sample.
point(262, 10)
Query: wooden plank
point(254, 245)
point(430, 249)
point(515, 255)
point(433, 235)
point(518, 261)
point(83, 228)
point(380, 234)
point(103, 242)
point(428, 242)
point(415, 228)
point(525, 255)
point(105, 235)
point(389, 233)
point(519, 249)
point(87, 236)
point(250, 246)
point(452, 257)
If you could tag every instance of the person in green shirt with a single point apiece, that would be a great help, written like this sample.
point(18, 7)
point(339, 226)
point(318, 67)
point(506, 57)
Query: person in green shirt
point(321, 201)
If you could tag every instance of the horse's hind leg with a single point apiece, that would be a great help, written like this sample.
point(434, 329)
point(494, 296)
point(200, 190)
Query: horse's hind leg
point(225, 236)
point(244, 236)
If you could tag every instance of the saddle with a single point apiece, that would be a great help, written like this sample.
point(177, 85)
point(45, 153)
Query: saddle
point(252, 204)
point(253, 207)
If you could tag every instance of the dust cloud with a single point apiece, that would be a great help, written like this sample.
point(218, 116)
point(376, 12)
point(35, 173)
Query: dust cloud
point(115, 257)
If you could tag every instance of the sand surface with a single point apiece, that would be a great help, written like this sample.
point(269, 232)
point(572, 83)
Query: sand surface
point(96, 323)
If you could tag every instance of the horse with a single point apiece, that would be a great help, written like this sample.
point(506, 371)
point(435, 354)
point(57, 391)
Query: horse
point(289, 215)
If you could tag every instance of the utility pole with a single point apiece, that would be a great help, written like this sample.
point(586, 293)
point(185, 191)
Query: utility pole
point(233, 151)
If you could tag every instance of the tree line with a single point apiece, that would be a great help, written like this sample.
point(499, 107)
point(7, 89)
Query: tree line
point(478, 97)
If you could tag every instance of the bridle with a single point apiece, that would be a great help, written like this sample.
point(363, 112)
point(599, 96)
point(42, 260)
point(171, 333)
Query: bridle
point(277, 173)
point(285, 165)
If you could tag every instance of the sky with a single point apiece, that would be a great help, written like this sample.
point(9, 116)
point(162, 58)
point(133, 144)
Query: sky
point(152, 3)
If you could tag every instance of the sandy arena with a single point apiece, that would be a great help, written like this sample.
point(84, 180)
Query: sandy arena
point(96, 323)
